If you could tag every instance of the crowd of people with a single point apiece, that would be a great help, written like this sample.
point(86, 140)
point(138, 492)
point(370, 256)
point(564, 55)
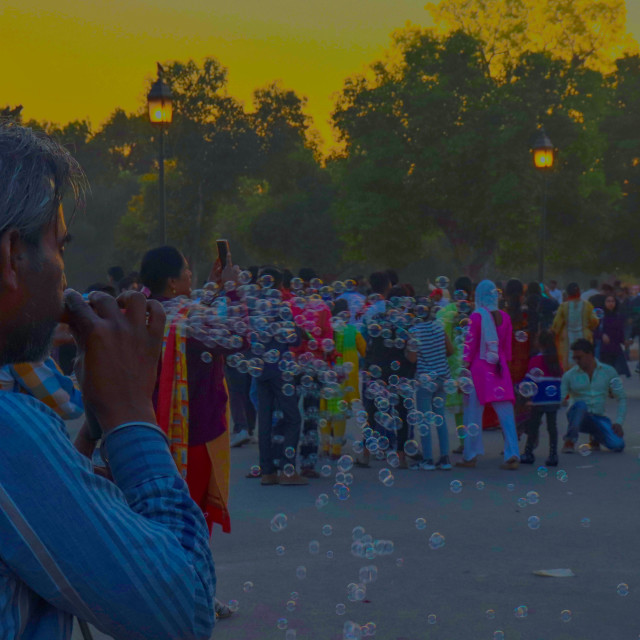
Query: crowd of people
point(170, 377)
point(296, 359)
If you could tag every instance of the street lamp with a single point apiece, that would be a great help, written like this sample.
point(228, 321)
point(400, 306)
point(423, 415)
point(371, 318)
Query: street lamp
point(159, 103)
point(543, 158)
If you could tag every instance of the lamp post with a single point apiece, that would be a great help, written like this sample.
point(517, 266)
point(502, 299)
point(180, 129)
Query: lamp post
point(543, 157)
point(159, 103)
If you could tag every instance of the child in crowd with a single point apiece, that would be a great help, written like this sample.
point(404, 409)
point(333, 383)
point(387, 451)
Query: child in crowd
point(545, 364)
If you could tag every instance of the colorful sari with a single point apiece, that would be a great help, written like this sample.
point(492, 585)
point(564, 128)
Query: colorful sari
point(204, 466)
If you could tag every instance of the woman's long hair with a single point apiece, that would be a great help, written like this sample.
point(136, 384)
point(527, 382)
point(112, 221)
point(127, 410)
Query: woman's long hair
point(547, 343)
point(513, 297)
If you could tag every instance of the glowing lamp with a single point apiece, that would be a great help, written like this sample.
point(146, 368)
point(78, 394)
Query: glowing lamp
point(159, 101)
point(543, 151)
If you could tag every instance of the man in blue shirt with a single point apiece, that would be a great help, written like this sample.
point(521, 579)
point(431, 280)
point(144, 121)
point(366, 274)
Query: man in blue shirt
point(588, 385)
point(130, 557)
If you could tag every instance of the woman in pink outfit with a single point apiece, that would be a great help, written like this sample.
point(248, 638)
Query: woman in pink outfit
point(487, 354)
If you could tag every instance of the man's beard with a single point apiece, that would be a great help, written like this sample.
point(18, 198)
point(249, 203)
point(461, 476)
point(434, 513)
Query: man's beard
point(29, 343)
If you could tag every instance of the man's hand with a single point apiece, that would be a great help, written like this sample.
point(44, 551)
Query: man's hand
point(617, 429)
point(119, 342)
point(62, 335)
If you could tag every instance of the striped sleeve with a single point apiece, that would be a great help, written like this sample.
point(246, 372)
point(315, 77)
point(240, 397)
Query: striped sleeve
point(131, 558)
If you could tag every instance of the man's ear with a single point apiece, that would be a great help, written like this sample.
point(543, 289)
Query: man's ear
point(12, 254)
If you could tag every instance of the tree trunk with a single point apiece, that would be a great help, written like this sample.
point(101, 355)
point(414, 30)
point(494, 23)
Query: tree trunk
point(195, 243)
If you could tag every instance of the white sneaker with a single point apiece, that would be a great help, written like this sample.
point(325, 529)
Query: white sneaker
point(427, 465)
point(254, 439)
point(240, 438)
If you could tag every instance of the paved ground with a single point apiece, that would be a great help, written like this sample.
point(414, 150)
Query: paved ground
point(486, 563)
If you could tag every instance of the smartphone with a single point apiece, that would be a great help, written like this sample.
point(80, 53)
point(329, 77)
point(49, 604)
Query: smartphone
point(223, 250)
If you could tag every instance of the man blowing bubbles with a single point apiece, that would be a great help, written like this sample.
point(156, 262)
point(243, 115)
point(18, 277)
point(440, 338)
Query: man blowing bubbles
point(130, 557)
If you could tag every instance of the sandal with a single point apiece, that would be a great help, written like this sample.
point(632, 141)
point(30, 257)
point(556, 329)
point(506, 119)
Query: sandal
point(222, 610)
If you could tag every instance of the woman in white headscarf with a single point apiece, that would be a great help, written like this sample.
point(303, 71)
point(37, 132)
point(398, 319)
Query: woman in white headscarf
point(487, 354)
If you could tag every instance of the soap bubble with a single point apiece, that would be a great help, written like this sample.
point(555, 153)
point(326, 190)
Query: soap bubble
point(279, 522)
point(368, 574)
point(521, 612)
point(341, 491)
point(322, 500)
point(386, 477)
point(341, 609)
point(565, 615)
point(511, 486)
point(490, 613)
point(498, 635)
point(280, 550)
point(455, 486)
point(527, 389)
point(432, 618)
point(584, 450)
point(543, 472)
point(290, 452)
point(314, 547)
point(247, 586)
point(585, 522)
point(301, 572)
point(330, 555)
point(473, 429)
point(533, 497)
point(393, 459)
point(255, 470)
point(206, 357)
point(436, 541)
point(288, 470)
point(533, 522)
point(233, 605)
point(535, 374)
point(411, 448)
point(327, 530)
point(325, 470)
point(442, 282)
point(345, 463)
point(480, 485)
point(290, 606)
point(421, 524)
point(522, 502)
point(622, 589)
point(521, 336)
point(282, 623)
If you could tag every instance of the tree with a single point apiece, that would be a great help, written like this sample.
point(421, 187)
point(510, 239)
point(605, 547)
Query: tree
point(437, 146)
point(582, 32)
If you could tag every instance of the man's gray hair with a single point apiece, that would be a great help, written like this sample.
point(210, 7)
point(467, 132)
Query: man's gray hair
point(35, 174)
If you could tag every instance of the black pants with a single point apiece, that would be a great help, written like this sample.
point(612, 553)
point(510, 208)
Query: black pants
point(400, 435)
point(243, 412)
point(309, 443)
point(272, 441)
point(533, 428)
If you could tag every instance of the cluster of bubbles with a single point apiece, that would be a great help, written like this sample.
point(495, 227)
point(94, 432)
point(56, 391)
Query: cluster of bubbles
point(364, 545)
point(265, 328)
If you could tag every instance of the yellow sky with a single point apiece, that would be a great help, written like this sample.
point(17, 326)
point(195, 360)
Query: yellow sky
point(73, 59)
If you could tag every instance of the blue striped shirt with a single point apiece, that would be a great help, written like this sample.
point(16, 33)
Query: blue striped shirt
point(432, 352)
point(131, 558)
